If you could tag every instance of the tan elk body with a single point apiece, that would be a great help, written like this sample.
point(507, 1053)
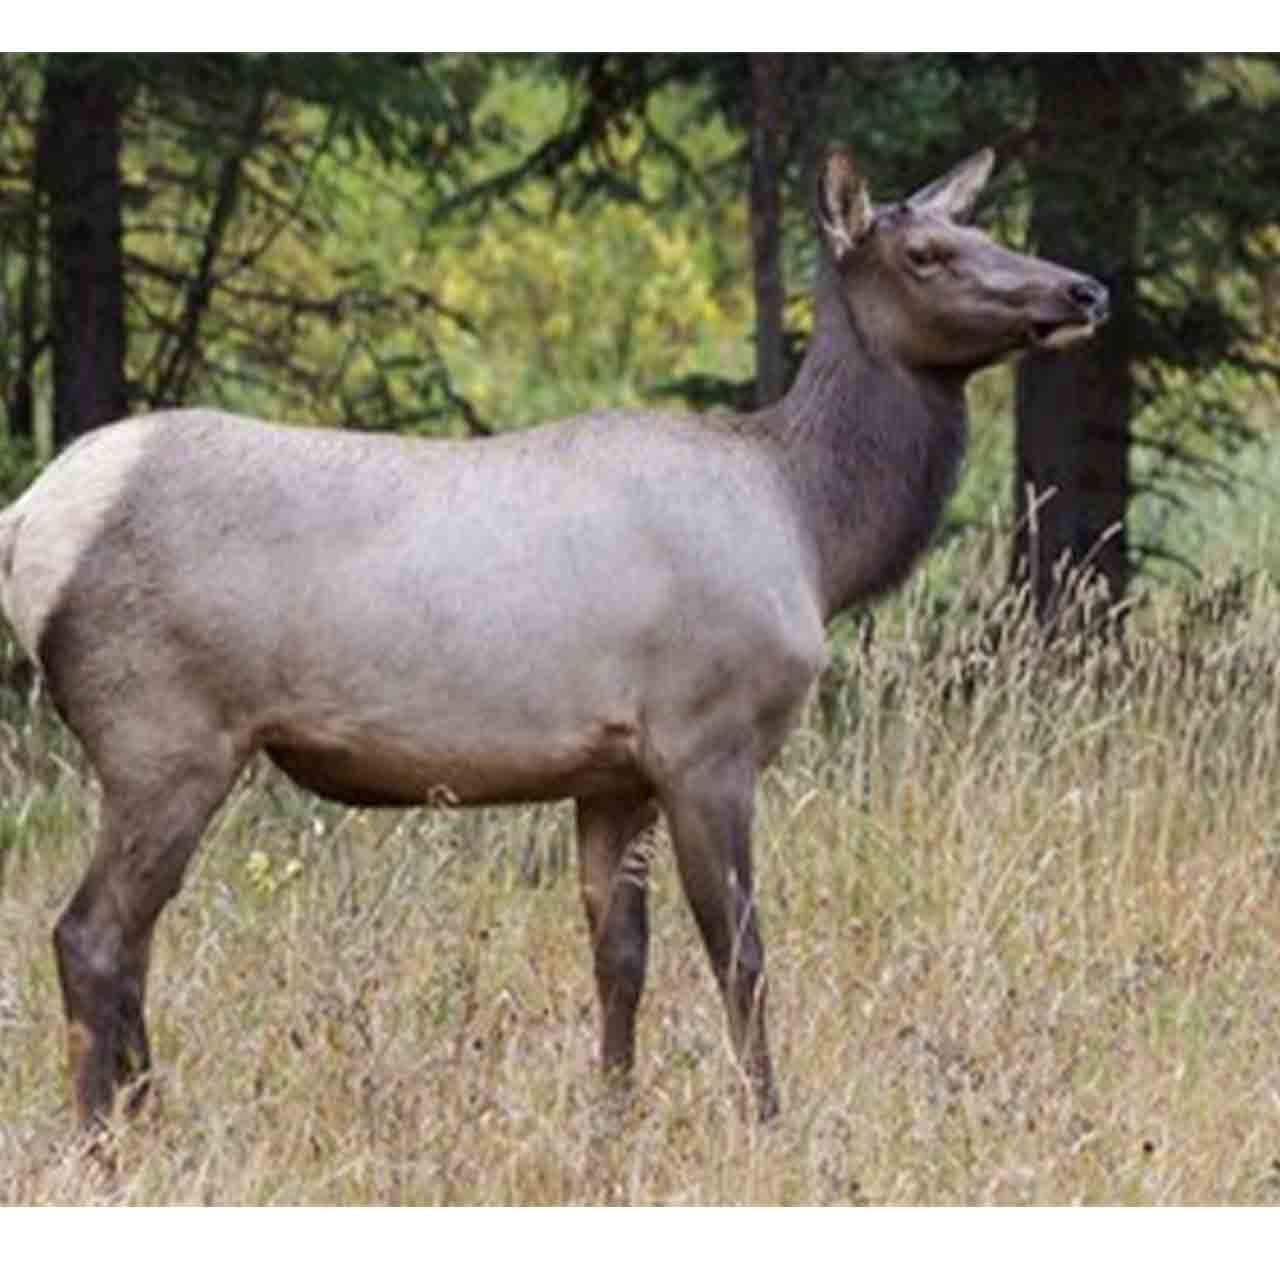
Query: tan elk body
point(627, 609)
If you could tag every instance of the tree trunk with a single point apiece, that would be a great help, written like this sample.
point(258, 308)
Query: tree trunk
point(766, 224)
point(80, 174)
point(1073, 408)
point(22, 400)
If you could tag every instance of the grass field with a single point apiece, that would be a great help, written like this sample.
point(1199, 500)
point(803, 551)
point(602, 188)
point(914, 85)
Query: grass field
point(1022, 914)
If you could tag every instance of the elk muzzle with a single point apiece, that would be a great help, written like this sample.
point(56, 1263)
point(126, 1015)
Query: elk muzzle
point(1080, 306)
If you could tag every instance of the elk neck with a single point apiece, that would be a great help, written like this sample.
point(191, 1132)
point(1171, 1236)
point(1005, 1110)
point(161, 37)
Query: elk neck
point(869, 448)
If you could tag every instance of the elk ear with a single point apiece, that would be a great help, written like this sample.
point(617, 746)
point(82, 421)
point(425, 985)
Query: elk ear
point(844, 207)
point(954, 195)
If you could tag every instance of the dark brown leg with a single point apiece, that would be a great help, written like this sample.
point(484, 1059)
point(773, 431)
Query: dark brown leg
point(103, 938)
point(614, 893)
point(710, 812)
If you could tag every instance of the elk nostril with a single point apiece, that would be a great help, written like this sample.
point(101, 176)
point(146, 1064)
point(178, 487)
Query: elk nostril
point(1087, 294)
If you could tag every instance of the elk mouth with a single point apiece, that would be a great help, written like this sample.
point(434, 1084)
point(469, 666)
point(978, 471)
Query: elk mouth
point(1053, 335)
point(1087, 310)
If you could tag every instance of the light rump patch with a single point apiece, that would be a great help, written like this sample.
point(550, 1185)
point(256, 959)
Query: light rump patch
point(54, 527)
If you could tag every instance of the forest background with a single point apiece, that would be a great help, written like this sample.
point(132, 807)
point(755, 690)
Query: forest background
point(452, 244)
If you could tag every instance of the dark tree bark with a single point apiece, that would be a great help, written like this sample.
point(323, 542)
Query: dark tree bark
point(22, 399)
point(1073, 408)
point(80, 175)
point(767, 123)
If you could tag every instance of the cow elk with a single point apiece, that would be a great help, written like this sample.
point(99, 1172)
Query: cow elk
point(626, 609)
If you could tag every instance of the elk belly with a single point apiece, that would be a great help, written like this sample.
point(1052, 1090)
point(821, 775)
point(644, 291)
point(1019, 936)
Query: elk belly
point(360, 764)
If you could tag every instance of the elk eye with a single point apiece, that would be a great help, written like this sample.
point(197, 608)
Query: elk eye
point(922, 258)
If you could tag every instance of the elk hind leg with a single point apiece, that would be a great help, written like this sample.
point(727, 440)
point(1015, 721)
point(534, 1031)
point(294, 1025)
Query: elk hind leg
point(103, 939)
point(614, 880)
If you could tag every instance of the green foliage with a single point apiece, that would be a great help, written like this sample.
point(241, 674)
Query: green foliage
point(18, 467)
point(342, 290)
point(586, 301)
point(284, 213)
point(1215, 516)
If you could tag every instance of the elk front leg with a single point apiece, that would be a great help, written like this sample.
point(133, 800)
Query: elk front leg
point(710, 811)
point(615, 893)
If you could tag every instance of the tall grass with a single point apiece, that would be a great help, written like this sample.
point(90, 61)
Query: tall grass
point(1021, 909)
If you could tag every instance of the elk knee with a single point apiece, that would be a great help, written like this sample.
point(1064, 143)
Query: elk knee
point(99, 980)
point(85, 959)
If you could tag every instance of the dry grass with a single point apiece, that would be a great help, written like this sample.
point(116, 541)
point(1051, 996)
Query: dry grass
point(1022, 920)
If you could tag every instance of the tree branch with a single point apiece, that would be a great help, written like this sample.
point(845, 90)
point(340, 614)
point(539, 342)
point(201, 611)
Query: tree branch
point(176, 376)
